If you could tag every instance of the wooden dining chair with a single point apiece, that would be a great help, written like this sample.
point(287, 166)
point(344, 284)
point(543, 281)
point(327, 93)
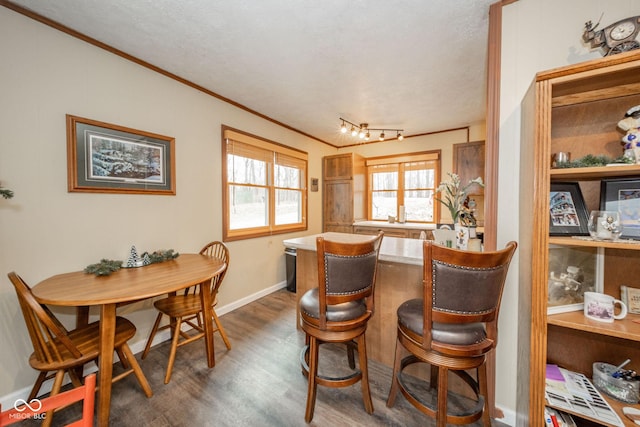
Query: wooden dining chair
point(86, 394)
point(337, 311)
point(185, 308)
point(57, 351)
point(452, 328)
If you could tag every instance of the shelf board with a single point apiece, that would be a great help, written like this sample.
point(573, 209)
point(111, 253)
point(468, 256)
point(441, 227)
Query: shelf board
point(595, 173)
point(627, 328)
point(616, 405)
point(633, 245)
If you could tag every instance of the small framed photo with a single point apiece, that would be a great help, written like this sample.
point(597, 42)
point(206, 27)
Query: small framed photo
point(107, 158)
point(573, 270)
point(567, 212)
point(623, 195)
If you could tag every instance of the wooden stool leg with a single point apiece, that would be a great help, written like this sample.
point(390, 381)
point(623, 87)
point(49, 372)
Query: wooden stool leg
point(391, 400)
point(441, 416)
point(484, 391)
point(313, 373)
point(362, 354)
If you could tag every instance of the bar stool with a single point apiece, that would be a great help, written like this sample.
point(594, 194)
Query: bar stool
point(337, 311)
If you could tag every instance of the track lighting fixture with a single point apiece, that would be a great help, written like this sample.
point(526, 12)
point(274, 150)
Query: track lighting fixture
point(363, 131)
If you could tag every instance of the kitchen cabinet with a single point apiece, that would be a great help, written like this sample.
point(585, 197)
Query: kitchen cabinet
point(572, 109)
point(392, 230)
point(344, 191)
point(468, 163)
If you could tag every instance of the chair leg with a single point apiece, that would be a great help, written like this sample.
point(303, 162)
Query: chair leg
point(362, 354)
point(313, 373)
point(137, 371)
point(36, 387)
point(484, 391)
point(433, 382)
point(391, 400)
point(441, 416)
point(223, 334)
point(350, 355)
point(152, 335)
point(55, 389)
point(123, 359)
point(174, 348)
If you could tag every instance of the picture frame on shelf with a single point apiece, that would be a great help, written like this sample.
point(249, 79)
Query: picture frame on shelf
point(568, 214)
point(623, 195)
point(573, 270)
point(107, 158)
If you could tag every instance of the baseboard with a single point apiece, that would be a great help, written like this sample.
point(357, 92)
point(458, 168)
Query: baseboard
point(138, 346)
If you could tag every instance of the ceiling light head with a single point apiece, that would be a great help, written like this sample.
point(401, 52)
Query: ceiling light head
point(400, 137)
point(381, 138)
point(354, 132)
point(343, 128)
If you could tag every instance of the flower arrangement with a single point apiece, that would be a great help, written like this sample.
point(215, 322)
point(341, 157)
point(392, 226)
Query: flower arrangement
point(454, 197)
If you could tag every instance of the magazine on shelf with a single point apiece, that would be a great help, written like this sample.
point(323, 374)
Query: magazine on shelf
point(573, 392)
point(631, 297)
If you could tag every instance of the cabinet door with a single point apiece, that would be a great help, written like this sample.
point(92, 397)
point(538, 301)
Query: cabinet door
point(338, 167)
point(338, 202)
point(468, 163)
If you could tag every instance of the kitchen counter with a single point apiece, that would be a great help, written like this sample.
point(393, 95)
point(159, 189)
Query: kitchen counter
point(393, 249)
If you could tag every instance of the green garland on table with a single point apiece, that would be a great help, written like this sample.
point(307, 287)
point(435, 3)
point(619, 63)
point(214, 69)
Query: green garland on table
point(104, 268)
point(593, 161)
point(107, 266)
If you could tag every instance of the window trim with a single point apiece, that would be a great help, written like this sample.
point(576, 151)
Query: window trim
point(229, 133)
point(400, 160)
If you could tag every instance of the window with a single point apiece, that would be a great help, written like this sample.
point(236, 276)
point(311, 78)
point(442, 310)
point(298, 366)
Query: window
point(408, 180)
point(264, 187)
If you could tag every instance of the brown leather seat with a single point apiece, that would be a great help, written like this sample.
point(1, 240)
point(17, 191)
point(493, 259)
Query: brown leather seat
point(452, 328)
point(61, 351)
point(186, 308)
point(338, 311)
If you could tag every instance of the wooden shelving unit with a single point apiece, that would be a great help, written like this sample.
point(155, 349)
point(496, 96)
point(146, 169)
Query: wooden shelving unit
point(573, 109)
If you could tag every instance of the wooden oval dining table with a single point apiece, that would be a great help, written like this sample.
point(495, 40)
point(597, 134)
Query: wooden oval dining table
point(82, 290)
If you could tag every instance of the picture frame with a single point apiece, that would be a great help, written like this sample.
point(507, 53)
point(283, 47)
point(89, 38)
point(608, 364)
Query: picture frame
point(568, 214)
point(107, 158)
point(623, 195)
point(573, 270)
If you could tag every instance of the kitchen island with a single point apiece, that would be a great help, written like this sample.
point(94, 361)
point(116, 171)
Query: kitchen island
point(399, 279)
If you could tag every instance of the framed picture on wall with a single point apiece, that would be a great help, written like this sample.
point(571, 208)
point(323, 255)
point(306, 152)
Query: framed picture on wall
point(567, 211)
point(107, 158)
point(623, 195)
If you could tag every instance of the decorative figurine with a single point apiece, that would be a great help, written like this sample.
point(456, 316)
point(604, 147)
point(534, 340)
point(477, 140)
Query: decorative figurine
point(631, 140)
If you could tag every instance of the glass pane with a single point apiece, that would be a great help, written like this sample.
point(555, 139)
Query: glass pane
point(244, 170)
point(419, 178)
point(384, 181)
point(248, 207)
point(384, 203)
point(418, 205)
point(288, 207)
point(287, 177)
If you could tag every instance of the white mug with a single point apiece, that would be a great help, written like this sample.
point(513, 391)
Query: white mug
point(601, 307)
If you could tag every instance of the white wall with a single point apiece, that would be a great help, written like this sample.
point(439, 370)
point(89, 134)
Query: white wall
point(536, 35)
point(45, 230)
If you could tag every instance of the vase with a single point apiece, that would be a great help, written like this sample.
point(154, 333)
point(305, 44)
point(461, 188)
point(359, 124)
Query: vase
point(462, 236)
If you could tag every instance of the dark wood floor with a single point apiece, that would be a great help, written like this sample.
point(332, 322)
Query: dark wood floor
point(257, 383)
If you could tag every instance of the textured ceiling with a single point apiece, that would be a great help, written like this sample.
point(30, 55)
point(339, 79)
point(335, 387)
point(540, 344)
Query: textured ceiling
point(418, 65)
